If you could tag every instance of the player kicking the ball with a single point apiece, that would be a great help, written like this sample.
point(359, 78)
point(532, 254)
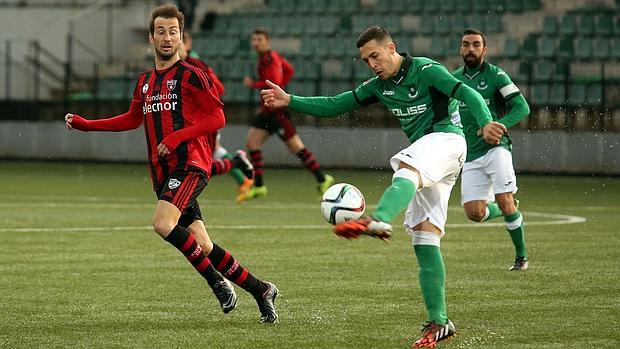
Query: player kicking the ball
point(181, 112)
point(489, 180)
point(419, 92)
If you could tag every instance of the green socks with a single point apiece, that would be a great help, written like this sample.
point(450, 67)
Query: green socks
point(395, 199)
point(235, 173)
point(493, 210)
point(432, 281)
point(514, 224)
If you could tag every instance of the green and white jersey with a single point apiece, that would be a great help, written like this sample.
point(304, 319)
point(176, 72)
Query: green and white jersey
point(496, 89)
point(418, 96)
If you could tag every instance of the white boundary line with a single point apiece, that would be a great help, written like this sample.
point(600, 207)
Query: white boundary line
point(559, 220)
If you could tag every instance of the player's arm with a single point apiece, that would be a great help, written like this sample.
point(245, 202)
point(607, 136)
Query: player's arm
point(213, 120)
point(287, 72)
point(441, 79)
point(275, 97)
point(515, 102)
point(127, 121)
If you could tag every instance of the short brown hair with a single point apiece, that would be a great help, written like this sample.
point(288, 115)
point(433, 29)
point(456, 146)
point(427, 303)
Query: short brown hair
point(474, 31)
point(166, 11)
point(261, 31)
point(372, 33)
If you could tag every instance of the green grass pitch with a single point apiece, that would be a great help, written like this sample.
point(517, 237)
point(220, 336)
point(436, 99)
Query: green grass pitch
point(80, 267)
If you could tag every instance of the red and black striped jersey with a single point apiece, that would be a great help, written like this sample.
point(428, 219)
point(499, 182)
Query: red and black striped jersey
point(180, 108)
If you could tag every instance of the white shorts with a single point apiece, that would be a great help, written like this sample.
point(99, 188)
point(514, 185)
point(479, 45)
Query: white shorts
point(488, 176)
point(438, 157)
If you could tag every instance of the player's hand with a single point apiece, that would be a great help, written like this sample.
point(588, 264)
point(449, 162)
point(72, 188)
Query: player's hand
point(493, 132)
point(247, 81)
point(69, 121)
point(162, 150)
point(274, 97)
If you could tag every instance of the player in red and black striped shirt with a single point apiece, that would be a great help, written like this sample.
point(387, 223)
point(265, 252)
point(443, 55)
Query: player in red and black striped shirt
point(181, 112)
point(273, 67)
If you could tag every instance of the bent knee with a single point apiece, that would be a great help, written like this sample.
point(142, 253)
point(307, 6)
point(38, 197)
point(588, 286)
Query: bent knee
point(163, 227)
point(475, 215)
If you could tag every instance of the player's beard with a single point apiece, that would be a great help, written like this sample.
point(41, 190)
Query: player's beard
point(166, 56)
point(471, 60)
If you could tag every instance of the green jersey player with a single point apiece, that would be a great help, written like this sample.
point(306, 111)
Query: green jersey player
point(489, 180)
point(419, 92)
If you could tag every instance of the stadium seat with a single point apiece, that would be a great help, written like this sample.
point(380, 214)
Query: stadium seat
point(594, 94)
point(361, 71)
point(482, 6)
point(530, 46)
point(439, 47)
point(493, 24)
point(576, 94)
point(557, 95)
point(511, 48)
point(524, 72)
point(616, 26)
point(427, 25)
point(583, 48)
point(533, 5)
point(550, 25)
point(604, 25)
point(615, 48)
point(565, 48)
point(515, 6)
point(568, 25)
point(431, 6)
point(540, 94)
point(601, 48)
point(448, 7)
point(586, 24)
point(442, 25)
point(542, 71)
point(546, 47)
point(463, 6)
point(458, 24)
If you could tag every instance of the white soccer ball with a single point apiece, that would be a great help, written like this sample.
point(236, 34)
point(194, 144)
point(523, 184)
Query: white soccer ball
point(342, 202)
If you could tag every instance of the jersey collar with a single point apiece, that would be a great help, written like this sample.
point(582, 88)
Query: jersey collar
point(471, 73)
point(404, 68)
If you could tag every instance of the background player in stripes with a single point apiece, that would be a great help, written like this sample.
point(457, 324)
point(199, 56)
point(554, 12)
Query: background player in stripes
point(273, 67)
point(488, 181)
point(181, 111)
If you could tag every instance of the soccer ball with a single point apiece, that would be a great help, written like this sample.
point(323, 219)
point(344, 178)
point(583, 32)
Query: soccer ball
point(342, 202)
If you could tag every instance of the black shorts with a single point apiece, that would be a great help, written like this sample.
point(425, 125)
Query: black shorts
point(278, 121)
point(181, 189)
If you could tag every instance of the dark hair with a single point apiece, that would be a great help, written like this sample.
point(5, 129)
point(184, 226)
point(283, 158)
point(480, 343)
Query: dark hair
point(261, 31)
point(166, 11)
point(473, 31)
point(372, 33)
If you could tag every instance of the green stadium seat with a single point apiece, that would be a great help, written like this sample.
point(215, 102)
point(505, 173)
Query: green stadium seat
point(319, 6)
point(439, 47)
point(540, 94)
point(616, 27)
point(382, 7)
point(524, 72)
point(493, 24)
point(615, 48)
point(583, 48)
point(594, 94)
point(576, 94)
point(442, 25)
point(568, 25)
point(533, 5)
point(350, 6)
point(530, 46)
point(431, 6)
point(478, 22)
point(427, 25)
point(463, 6)
point(542, 71)
point(566, 47)
point(557, 95)
point(546, 47)
point(496, 6)
point(550, 25)
point(482, 6)
point(586, 25)
point(361, 71)
point(458, 24)
point(515, 6)
point(560, 71)
point(601, 48)
point(511, 48)
point(604, 25)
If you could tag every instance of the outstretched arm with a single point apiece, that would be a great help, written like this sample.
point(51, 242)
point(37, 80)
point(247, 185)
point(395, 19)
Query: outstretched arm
point(275, 97)
point(127, 121)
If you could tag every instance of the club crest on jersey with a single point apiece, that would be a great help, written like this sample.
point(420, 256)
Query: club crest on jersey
point(413, 93)
point(145, 88)
point(482, 85)
point(171, 84)
point(173, 183)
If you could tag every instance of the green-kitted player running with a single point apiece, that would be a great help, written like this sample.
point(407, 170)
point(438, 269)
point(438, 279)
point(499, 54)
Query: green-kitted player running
point(489, 180)
point(419, 92)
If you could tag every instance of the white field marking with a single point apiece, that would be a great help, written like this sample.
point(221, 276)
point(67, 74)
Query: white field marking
point(559, 220)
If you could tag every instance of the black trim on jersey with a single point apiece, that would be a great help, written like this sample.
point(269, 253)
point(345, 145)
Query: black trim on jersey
point(500, 104)
point(178, 122)
point(157, 124)
point(440, 107)
point(366, 102)
point(512, 96)
point(404, 68)
point(147, 77)
point(456, 87)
